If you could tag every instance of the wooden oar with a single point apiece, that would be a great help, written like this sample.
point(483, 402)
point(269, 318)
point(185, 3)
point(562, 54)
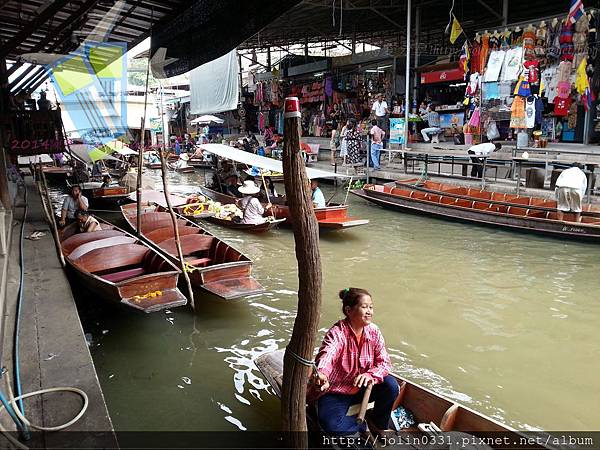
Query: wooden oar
point(364, 404)
point(267, 192)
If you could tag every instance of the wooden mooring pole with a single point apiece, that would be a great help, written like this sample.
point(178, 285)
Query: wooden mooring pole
point(306, 237)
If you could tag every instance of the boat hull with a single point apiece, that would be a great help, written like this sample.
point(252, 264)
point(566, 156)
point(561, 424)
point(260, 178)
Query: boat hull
point(464, 213)
point(252, 228)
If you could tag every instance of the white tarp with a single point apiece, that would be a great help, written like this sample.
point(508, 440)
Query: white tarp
point(214, 86)
point(207, 119)
point(262, 162)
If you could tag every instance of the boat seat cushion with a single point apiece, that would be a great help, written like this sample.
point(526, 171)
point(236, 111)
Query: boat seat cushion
point(116, 277)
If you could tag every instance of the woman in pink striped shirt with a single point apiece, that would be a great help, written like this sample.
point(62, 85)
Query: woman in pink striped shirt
point(351, 356)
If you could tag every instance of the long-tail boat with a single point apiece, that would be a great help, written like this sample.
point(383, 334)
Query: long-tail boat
point(475, 193)
point(117, 266)
point(190, 212)
point(213, 265)
point(99, 196)
point(508, 213)
point(433, 414)
point(332, 217)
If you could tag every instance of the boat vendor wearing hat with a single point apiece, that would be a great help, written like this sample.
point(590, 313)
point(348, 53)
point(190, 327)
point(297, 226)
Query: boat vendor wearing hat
point(182, 162)
point(251, 208)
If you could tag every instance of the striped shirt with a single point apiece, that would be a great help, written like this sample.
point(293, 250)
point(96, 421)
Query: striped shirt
point(342, 358)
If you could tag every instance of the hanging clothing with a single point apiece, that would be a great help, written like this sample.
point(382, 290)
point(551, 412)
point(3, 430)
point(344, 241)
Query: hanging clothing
point(567, 49)
point(539, 109)
point(494, 65)
point(512, 64)
point(522, 88)
point(530, 112)
point(475, 62)
point(475, 120)
point(517, 116)
point(550, 82)
point(561, 106)
point(533, 70)
point(485, 51)
point(473, 85)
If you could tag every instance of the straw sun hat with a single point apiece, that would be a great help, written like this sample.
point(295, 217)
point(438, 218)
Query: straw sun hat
point(249, 188)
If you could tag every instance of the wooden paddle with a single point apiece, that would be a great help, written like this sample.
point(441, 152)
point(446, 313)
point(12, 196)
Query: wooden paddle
point(364, 404)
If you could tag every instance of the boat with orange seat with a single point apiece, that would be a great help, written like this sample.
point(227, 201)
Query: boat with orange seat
point(213, 265)
point(509, 213)
point(501, 198)
point(121, 268)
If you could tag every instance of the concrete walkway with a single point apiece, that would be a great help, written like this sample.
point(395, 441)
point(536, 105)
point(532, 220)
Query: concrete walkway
point(53, 350)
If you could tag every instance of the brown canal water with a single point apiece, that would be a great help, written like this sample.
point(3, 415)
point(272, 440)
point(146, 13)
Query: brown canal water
point(505, 323)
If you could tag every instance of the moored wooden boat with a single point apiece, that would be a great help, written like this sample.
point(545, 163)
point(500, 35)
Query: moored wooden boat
point(200, 163)
point(331, 217)
point(122, 269)
point(427, 407)
point(474, 193)
point(57, 174)
point(481, 211)
point(188, 169)
point(213, 265)
point(253, 228)
point(154, 166)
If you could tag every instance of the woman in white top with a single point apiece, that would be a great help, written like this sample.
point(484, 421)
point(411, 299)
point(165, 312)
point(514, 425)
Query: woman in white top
point(344, 143)
point(252, 210)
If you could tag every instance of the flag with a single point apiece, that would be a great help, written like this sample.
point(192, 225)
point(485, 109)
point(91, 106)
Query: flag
point(465, 56)
point(456, 30)
point(582, 84)
point(575, 11)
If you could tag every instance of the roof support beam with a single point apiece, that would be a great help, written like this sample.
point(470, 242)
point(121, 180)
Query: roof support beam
point(17, 80)
point(382, 15)
point(29, 81)
point(38, 83)
point(490, 9)
point(47, 14)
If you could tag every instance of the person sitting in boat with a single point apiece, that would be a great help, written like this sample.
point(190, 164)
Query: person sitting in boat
point(153, 158)
point(105, 182)
point(74, 201)
point(87, 222)
point(571, 185)
point(252, 210)
point(182, 162)
point(231, 186)
point(352, 356)
point(318, 198)
point(480, 150)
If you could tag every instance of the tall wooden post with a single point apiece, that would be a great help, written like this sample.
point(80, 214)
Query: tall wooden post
point(4, 93)
point(163, 169)
point(306, 237)
point(138, 187)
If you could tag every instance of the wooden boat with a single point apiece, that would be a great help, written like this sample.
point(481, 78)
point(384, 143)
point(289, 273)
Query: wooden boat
point(154, 166)
point(120, 268)
point(481, 211)
point(213, 265)
point(188, 169)
point(57, 174)
point(474, 193)
point(331, 217)
point(190, 212)
point(426, 406)
point(200, 163)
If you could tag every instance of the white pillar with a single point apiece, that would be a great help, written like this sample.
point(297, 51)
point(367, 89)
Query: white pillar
point(407, 81)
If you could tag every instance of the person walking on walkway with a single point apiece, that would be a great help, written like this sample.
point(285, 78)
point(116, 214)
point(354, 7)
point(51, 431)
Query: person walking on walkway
point(376, 144)
point(571, 185)
point(353, 143)
point(380, 110)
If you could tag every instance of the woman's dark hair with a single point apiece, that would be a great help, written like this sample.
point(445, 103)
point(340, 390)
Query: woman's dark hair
point(351, 296)
point(81, 213)
point(352, 123)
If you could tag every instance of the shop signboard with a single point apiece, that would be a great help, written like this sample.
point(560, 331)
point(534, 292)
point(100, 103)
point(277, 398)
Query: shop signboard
point(451, 119)
point(156, 125)
point(442, 76)
point(397, 130)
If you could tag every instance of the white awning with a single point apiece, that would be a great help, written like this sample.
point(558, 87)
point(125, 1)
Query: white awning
point(262, 162)
point(207, 119)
